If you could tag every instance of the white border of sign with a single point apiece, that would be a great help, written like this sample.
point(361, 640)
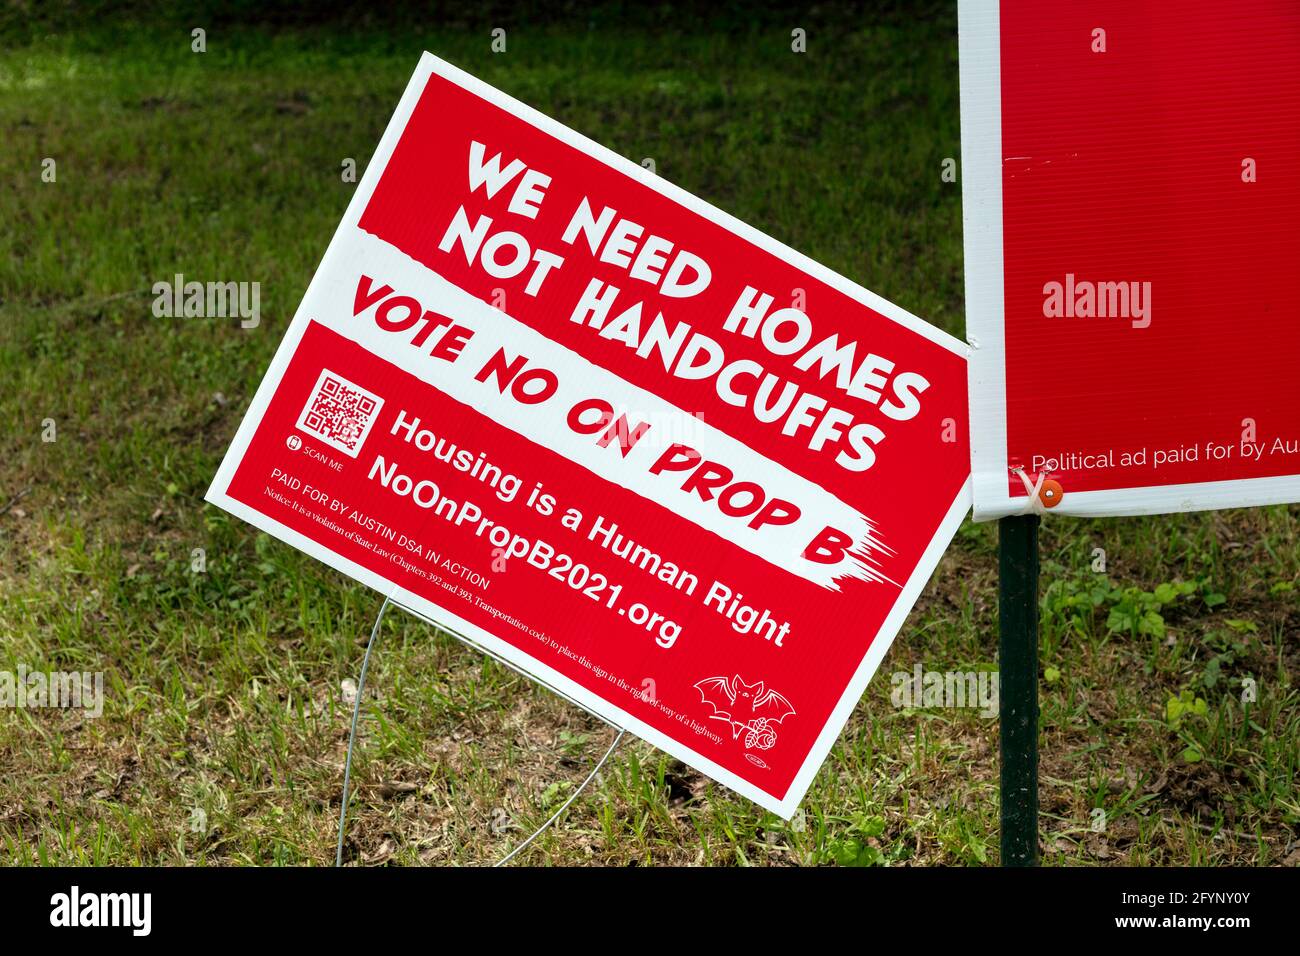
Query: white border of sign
point(980, 58)
point(429, 65)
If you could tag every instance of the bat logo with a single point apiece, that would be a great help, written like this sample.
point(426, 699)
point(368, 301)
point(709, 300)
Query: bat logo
point(748, 708)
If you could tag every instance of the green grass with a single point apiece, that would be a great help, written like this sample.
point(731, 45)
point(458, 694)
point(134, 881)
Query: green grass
point(223, 733)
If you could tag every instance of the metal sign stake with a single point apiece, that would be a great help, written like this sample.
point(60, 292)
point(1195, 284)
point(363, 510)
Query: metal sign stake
point(1018, 686)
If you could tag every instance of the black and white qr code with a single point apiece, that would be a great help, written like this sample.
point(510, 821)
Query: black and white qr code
point(340, 412)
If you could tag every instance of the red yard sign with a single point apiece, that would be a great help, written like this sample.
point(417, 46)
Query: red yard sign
point(657, 460)
point(1131, 213)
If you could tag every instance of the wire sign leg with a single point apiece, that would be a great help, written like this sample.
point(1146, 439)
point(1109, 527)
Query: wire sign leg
point(352, 739)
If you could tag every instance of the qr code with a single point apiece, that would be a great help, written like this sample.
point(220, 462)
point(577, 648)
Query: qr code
point(340, 412)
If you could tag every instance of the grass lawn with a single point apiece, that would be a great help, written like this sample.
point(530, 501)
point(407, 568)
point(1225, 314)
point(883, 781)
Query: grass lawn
point(224, 726)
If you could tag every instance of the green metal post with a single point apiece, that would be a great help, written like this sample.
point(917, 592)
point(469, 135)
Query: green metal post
point(1018, 687)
